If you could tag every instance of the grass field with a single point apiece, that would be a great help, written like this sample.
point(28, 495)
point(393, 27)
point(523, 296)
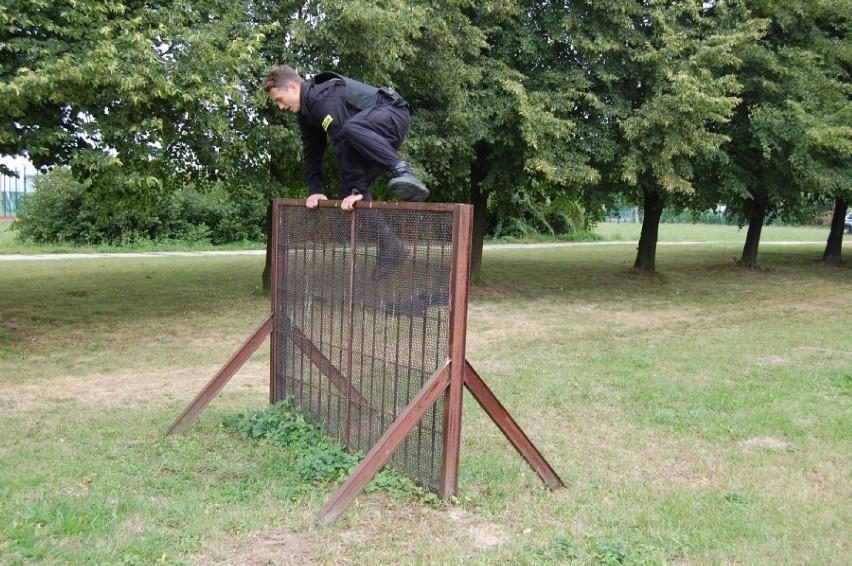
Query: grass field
point(712, 233)
point(606, 231)
point(700, 416)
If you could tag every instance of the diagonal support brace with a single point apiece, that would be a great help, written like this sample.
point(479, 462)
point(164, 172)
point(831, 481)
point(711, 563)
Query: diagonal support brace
point(384, 448)
point(510, 429)
point(323, 363)
point(222, 377)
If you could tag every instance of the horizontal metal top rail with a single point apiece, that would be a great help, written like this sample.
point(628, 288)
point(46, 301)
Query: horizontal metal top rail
point(381, 205)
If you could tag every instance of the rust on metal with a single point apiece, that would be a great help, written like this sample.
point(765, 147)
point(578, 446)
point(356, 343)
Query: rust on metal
point(322, 363)
point(274, 237)
point(384, 448)
point(459, 282)
point(347, 428)
point(368, 329)
point(363, 317)
point(215, 385)
point(510, 429)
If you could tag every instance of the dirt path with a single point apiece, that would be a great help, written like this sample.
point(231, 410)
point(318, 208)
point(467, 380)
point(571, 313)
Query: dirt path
point(487, 247)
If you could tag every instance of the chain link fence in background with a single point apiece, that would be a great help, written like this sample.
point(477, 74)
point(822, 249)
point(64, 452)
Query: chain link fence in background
point(11, 190)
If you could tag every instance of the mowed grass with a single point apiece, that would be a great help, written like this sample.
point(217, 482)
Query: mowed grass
point(612, 231)
point(672, 232)
point(700, 416)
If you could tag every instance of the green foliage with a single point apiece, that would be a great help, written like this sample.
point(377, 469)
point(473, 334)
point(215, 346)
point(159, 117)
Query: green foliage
point(530, 102)
point(789, 139)
point(213, 212)
point(523, 217)
point(610, 553)
point(56, 211)
point(64, 210)
point(657, 93)
point(317, 457)
point(562, 548)
point(139, 99)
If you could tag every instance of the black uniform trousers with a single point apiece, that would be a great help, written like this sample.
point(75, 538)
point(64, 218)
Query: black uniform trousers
point(372, 138)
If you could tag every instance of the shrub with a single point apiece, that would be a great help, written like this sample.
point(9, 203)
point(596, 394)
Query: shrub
point(65, 210)
point(55, 211)
point(560, 216)
point(213, 213)
point(318, 458)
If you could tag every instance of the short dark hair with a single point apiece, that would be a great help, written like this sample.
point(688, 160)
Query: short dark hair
point(279, 76)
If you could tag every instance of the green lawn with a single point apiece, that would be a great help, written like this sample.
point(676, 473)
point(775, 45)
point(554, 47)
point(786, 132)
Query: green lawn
point(712, 232)
point(700, 416)
point(606, 231)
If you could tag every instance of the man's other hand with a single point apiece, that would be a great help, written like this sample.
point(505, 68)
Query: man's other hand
point(349, 202)
point(313, 200)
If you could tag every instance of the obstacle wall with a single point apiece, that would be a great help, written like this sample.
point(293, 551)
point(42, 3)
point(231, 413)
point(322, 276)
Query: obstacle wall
point(363, 318)
point(367, 334)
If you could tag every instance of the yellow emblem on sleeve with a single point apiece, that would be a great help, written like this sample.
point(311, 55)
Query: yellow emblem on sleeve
point(326, 122)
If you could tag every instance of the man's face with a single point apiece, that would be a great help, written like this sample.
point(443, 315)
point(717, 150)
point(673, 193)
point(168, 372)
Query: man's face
point(286, 98)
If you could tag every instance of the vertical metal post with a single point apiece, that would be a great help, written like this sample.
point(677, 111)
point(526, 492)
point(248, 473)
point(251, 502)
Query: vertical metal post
point(392, 318)
point(459, 283)
point(274, 235)
point(347, 417)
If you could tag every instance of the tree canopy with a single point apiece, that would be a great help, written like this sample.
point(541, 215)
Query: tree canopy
point(520, 107)
point(789, 141)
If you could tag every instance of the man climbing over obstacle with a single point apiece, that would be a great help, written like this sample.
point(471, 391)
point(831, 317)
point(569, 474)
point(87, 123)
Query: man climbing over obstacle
point(366, 125)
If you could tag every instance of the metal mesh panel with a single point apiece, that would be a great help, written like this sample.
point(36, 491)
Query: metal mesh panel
point(362, 321)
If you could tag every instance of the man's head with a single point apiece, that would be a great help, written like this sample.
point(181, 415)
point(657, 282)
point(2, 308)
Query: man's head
point(284, 86)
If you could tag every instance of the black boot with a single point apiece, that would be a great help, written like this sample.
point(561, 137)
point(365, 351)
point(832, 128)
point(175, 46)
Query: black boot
point(390, 251)
point(405, 184)
point(387, 261)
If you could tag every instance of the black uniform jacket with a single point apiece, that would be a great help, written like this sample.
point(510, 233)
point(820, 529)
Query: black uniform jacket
point(322, 115)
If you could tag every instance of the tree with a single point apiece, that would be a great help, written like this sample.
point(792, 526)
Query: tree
point(790, 137)
point(658, 95)
point(135, 96)
point(481, 128)
point(516, 109)
point(834, 244)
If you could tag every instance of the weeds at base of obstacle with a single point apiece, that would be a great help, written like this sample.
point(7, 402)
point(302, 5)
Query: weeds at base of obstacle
point(319, 459)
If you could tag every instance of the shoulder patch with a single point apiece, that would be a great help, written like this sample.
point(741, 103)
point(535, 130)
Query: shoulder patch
point(327, 122)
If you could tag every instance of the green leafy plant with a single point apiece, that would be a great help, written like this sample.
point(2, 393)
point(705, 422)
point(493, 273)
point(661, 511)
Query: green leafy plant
point(318, 458)
point(610, 552)
point(64, 210)
point(563, 547)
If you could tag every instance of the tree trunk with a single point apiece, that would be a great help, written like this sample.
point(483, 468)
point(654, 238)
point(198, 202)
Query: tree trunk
point(267, 265)
point(755, 226)
point(479, 200)
point(646, 253)
point(834, 245)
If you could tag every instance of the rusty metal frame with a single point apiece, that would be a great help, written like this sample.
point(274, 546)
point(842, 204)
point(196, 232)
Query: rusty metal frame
point(510, 429)
point(215, 385)
point(390, 441)
point(449, 380)
point(459, 284)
